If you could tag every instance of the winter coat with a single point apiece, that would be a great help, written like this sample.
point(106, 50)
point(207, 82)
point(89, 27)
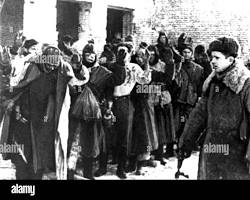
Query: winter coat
point(220, 112)
point(189, 74)
point(102, 82)
point(38, 95)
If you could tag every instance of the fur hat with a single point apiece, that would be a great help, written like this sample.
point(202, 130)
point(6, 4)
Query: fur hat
point(227, 46)
point(89, 48)
point(161, 33)
point(143, 45)
point(29, 43)
point(199, 49)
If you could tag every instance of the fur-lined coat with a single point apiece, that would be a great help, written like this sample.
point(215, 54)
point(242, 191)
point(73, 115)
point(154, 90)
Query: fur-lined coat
point(223, 112)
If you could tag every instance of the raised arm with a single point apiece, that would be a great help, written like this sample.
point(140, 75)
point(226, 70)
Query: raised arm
point(143, 76)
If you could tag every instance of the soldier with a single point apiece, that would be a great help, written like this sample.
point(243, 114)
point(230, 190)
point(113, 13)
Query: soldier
point(201, 58)
point(223, 111)
point(189, 78)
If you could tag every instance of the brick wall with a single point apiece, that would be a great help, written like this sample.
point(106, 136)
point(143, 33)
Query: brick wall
point(201, 19)
point(11, 20)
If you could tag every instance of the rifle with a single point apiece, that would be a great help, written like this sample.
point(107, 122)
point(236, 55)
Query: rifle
point(180, 157)
point(179, 173)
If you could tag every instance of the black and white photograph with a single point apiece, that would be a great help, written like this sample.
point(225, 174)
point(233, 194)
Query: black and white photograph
point(124, 90)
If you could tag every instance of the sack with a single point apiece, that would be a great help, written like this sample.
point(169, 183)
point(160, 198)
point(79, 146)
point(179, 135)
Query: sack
point(86, 106)
point(191, 95)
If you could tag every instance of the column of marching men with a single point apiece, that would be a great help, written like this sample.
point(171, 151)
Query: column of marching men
point(74, 109)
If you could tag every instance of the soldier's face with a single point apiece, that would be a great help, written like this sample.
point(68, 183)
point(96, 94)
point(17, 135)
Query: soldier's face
point(220, 62)
point(187, 54)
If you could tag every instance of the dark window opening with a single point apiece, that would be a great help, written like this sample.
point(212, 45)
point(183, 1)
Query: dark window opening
point(114, 24)
point(68, 19)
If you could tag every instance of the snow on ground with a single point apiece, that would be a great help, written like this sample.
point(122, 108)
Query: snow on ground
point(167, 172)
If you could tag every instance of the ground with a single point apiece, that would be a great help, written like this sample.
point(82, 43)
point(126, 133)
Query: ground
point(167, 172)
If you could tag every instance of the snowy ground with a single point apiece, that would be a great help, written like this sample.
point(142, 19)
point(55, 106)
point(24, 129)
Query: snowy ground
point(167, 172)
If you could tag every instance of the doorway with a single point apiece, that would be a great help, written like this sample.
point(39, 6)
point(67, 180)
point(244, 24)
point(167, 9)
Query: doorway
point(68, 19)
point(114, 24)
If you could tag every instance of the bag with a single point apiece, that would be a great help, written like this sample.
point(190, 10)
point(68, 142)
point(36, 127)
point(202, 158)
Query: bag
point(86, 106)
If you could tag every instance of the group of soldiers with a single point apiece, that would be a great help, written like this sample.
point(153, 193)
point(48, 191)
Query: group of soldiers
point(132, 105)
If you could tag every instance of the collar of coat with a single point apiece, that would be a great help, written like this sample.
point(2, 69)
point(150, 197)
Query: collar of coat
point(234, 78)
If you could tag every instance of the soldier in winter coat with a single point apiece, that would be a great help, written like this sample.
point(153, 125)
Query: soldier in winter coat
point(223, 112)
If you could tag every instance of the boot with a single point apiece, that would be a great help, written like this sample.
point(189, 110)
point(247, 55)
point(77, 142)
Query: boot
point(103, 161)
point(70, 175)
point(132, 162)
point(121, 166)
point(139, 168)
point(121, 174)
point(159, 155)
point(88, 168)
point(169, 151)
point(100, 172)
